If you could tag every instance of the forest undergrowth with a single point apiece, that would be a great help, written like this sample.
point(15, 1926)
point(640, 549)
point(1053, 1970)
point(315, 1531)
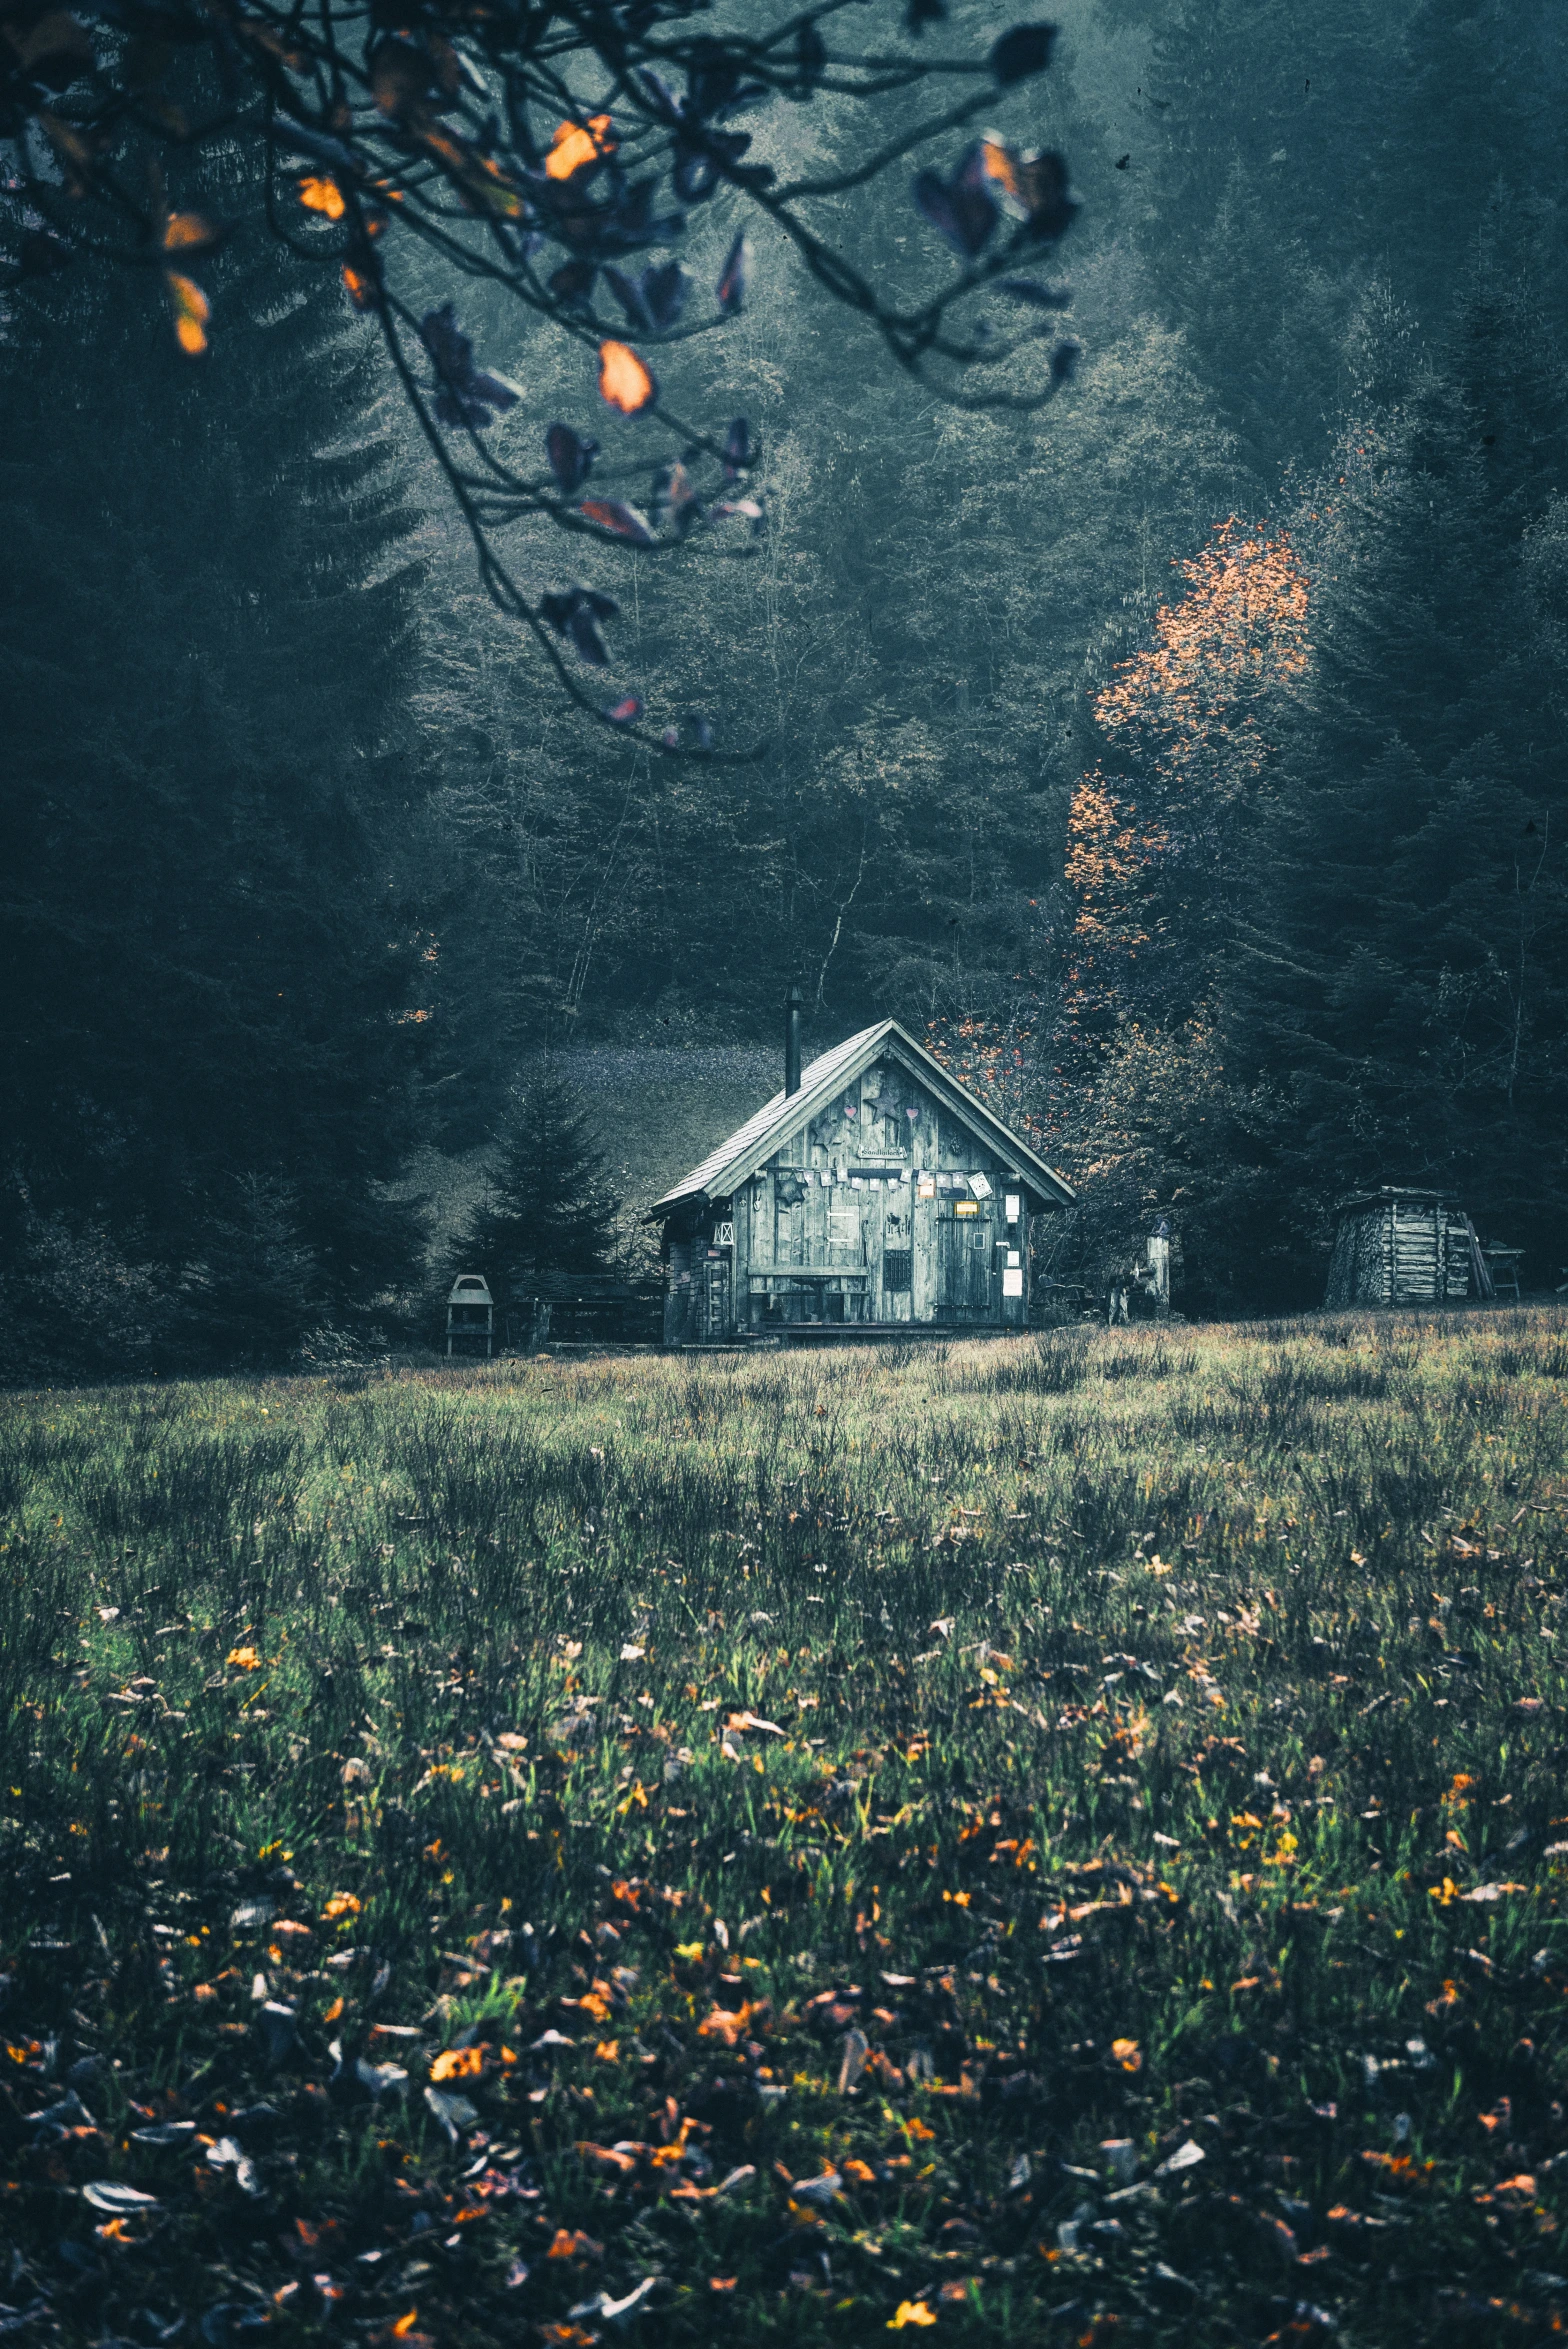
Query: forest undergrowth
point(1049, 1839)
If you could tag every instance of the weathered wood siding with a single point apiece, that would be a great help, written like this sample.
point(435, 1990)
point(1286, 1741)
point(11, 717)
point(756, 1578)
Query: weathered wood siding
point(864, 1246)
point(1393, 1251)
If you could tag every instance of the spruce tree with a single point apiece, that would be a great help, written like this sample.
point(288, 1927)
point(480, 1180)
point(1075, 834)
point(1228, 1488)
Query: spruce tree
point(1477, 119)
point(547, 1213)
point(208, 636)
point(1397, 987)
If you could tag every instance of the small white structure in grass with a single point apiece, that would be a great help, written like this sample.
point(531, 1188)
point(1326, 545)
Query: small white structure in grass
point(470, 1316)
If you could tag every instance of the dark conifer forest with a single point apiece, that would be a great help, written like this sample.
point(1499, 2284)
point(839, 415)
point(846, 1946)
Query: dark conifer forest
point(1182, 754)
point(722, 724)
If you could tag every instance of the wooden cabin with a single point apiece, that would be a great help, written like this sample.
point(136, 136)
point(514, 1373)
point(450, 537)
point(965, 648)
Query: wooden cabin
point(873, 1193)
point(1399, 1247)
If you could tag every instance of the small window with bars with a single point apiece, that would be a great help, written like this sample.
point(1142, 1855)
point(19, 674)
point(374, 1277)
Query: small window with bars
point(898, 1269)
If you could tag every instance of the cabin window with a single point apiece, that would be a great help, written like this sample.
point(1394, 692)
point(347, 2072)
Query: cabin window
point(843, 1216)
point(898, 1270)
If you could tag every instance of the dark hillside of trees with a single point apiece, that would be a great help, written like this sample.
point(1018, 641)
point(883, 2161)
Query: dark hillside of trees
point(1190, 757)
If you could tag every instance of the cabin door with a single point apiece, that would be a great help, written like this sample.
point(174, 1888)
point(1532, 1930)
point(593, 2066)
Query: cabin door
point(966, 1275)
point(715, 1274)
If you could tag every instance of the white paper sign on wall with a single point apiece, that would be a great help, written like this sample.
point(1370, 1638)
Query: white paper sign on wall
point(1013, 1282)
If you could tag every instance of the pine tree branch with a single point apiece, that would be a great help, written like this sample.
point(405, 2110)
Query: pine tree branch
point(542, 153)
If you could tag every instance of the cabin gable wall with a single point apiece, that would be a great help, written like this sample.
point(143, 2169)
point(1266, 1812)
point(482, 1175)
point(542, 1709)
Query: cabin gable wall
point(861, 1217)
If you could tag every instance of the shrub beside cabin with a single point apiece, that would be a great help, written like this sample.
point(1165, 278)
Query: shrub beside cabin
point(872, 1192)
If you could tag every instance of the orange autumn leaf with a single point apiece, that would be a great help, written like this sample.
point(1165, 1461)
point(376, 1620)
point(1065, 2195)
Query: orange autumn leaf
point(405, 2324)
point(999, 162)
point(909, 2312)
point(608, 2051)
point(721, 2024)
point(722, 2283)
point(458, 2063)
point(243, 1659)
point(624, 382)
point(575, 144)
point(191, 310)
point(334, 2011)
point(184, 230)
point(322, 195)
point(572, 2243)
point(361, 292)
point(1128, 2054)
point(342, 1904)
point(480, 176)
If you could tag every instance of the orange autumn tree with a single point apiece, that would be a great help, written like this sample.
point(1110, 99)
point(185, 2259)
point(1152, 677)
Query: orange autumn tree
point(1123, 1086)
point(992, 1059)
point(1184, 723)
point(1112, 859)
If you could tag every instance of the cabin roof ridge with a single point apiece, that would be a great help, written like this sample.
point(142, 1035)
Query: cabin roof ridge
point(782, 1116)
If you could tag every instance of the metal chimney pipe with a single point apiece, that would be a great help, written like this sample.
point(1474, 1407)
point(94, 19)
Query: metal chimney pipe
point(794, 1004)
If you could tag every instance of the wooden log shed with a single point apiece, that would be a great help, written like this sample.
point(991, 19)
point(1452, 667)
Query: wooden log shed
point(1405, 1247)
point(872, 1194)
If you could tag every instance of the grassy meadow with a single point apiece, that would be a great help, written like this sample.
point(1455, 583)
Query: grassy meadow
point(1058, 1839)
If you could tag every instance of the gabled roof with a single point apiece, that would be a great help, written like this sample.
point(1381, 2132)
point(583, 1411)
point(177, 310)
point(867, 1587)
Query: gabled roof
point(754, 1143)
